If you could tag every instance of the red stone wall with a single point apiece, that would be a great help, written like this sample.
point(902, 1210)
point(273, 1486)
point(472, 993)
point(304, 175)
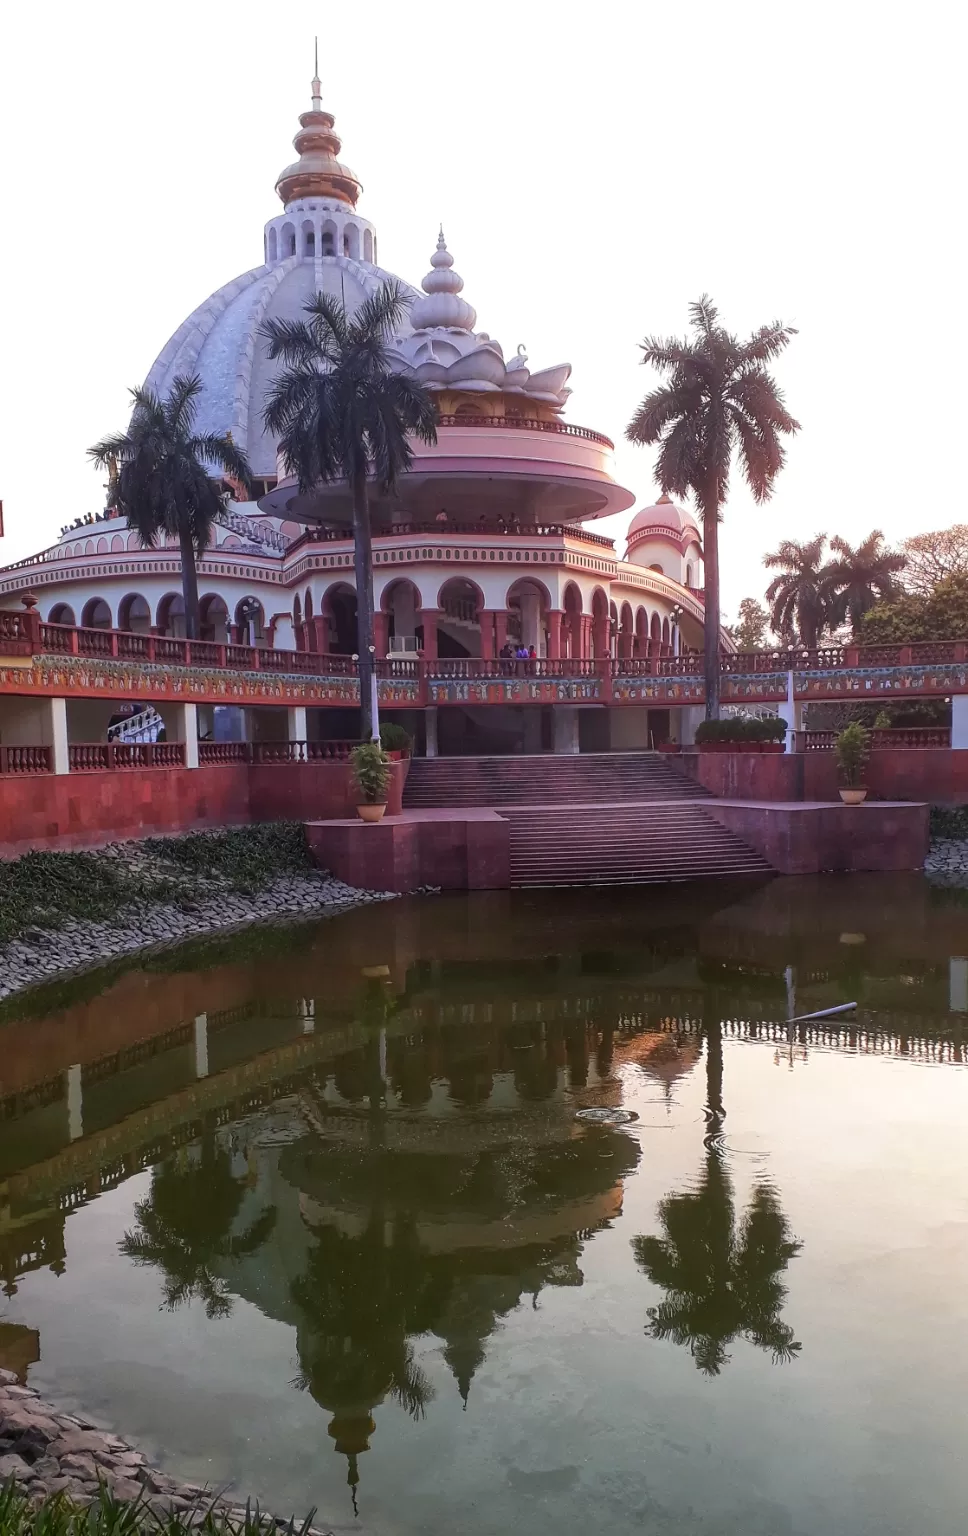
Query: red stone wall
point(938, 775)
point(86, 810)
point(808, 839)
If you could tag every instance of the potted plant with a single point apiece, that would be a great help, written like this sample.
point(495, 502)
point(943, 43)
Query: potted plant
point(395, 741)
point(371, 775)
point(772, 734)
point(851, 749)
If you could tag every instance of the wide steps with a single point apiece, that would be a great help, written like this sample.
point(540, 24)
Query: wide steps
point(636, 844)
point(546, 780)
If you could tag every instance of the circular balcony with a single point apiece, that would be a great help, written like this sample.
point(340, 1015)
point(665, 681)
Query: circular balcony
point(546, 471)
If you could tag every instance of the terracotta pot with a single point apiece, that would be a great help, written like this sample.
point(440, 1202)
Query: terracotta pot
point(772, 746)
point(668, 746)
point(854, 796)
point(371, 812)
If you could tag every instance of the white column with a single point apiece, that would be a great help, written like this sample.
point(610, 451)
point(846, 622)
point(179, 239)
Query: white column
point(201, 1045)
point(75, 1103)
point(958, 984)
point(58, 735)
point(296, 725)
point(959, 721)
point(308, 1015)
point(689, 719)
point(183, 719)
point(430, 730)
point(565, 730)
point(791, 716)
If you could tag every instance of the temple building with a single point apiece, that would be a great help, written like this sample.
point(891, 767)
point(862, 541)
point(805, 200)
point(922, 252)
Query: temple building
point(490, 540)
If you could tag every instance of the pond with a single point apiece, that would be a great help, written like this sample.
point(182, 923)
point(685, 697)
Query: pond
point(314, 1211)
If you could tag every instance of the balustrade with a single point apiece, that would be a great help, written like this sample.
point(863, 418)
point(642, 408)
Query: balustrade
point(106, 756)
point(880, 739)
point(16, 760)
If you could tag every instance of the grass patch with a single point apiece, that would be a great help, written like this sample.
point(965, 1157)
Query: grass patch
point(44, 890)
point(108, 1516)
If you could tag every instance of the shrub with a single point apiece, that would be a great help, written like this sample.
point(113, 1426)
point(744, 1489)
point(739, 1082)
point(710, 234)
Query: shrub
point(739, 729)
point(950, 821)
point(851, 749)
point(371, 772)
point(393, 738)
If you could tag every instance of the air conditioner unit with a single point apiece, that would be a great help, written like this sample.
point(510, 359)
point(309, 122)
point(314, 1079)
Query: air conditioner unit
point(403, 645)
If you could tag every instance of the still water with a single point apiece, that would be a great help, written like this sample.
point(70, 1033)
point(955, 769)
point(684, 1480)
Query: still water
point(311, 1212)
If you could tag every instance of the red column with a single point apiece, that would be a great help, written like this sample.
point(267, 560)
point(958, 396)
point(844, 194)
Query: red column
point(487, 633)
point(554, 634)
point(601, 637)
point(500, 630)
point(428, 618)
point(318, 635)
point(381, 634)
point(585, 623)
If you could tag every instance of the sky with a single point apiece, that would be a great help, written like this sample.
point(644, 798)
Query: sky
point(595, 169)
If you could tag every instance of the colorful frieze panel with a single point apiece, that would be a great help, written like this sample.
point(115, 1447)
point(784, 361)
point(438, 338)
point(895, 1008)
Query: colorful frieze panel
point(393, 692)
point(657, 690)
point(514, 690)
point(119, 679)
point(846, 682)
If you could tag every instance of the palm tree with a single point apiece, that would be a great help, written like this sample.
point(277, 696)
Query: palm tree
point(801, 598)
point(719, 401)
point(722, 1280)
point(862, 577)
point(341, 413)
point(185, 1228)
point(159, 479)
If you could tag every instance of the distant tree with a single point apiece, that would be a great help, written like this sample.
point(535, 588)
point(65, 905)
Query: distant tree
point(860, 578)
point(800, 597)
point(719, 403)
point(941, 615)
point(160, 480)
point(340, 412)
point(932, 557)
point(749, 631)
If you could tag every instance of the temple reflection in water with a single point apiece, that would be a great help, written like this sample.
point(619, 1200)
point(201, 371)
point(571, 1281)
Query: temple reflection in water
point(374, 1141)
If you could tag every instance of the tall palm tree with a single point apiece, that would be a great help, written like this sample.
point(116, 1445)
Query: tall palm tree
point(185, 1228)
point(722, 1280)
point(160, 482)
point(862, 577)
point(719, 403)
point(801, 598)
point(341, 413)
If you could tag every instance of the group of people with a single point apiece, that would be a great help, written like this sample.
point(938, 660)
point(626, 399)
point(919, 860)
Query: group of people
point(510, 652)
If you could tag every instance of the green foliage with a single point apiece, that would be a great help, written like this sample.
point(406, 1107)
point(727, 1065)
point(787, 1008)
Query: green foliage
point(749, 631)
point(44, 890)
point(800, 598)
point(882, 720)
point(737, 729)
point(393, 737)
point(108, 1516)
point(950, 821)
point(371, 772)
point(942, 615)
point(851, 749)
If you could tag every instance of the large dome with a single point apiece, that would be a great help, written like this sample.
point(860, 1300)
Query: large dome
point(220, 341)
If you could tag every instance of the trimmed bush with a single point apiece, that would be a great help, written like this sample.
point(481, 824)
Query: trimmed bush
point(393, 738)
point(740, 730)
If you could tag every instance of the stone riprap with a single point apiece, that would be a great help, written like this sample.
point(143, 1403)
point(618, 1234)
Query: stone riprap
point(43, 953)
point(47, 1452)
point(947, 862)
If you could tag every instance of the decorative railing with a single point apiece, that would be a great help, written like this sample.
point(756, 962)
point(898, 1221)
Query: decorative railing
point(14, 627)
point(222, 752)
point(16, 760)
point(492, 527)
point(836, 657)
point(105, 756)
point(528, 424)
point(892, 736)
point(274, 752)
point(66, 640)
point(511, 666)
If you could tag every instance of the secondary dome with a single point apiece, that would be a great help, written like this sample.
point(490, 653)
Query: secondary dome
point(663, 517)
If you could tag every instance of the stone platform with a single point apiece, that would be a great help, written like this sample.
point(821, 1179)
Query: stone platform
point(479, 848)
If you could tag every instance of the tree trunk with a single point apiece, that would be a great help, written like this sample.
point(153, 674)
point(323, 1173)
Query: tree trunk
point(715, 1113)
point(189, 585)
point(710, 534)
point(365, 643)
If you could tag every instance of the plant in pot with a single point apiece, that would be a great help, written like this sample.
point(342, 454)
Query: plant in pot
point(771, 734)
point(371, 775)
point(851, 749)
point(395, 741)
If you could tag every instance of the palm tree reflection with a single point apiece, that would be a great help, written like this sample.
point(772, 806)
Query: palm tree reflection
point(185, 1226)
point(721, 1278)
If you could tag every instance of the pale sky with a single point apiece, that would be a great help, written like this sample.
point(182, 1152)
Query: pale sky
point(595, 169)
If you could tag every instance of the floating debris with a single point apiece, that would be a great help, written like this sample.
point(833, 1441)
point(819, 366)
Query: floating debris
point(606, 1116)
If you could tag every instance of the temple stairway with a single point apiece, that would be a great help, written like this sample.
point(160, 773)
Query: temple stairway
point(546, 780)
point(594, 819)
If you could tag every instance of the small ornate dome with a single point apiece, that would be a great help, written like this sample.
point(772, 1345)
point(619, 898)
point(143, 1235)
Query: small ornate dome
point(318, 172)
point(442, 309)
point(662, 517)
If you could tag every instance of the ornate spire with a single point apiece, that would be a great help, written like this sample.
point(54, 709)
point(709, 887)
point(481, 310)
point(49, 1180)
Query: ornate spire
point(318, 172)
point(442, 308)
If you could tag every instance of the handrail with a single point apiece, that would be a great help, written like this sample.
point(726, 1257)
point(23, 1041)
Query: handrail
point(493, 527)
point(528, 424)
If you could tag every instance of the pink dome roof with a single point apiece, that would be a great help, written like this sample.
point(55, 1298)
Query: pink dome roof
point(663, 514)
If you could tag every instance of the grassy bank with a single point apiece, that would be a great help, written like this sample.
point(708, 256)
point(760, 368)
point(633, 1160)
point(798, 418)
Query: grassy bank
point(43, 890)
point(57, 1515)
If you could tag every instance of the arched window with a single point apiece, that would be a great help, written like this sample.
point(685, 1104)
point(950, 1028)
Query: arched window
point(328, 243)
point(351, 242)
point(468, 411)
point(61, 613)
point(308, 239)
point(657, 568)
point(134, 614)
point(367, 245)
point(96, 615)
point(273, 247)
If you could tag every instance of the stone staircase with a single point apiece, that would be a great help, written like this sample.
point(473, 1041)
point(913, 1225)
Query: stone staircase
point(547, 780)
point(624, 844)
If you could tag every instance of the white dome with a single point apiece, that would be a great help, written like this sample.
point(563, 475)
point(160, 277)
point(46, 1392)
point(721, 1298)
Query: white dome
point(220, 342)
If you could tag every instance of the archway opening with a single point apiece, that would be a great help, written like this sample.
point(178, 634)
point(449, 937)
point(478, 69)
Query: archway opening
point(459, 622)
point(96, 615)
point(401, 603)
point(134, 614)
point(527, 605)
point(250, 622)
point(61, 613)
point(339, 609)
point(171, 616)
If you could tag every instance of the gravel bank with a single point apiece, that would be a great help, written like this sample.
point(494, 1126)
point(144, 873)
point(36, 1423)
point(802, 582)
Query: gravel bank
point(947, 861)
point(47, 1452)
